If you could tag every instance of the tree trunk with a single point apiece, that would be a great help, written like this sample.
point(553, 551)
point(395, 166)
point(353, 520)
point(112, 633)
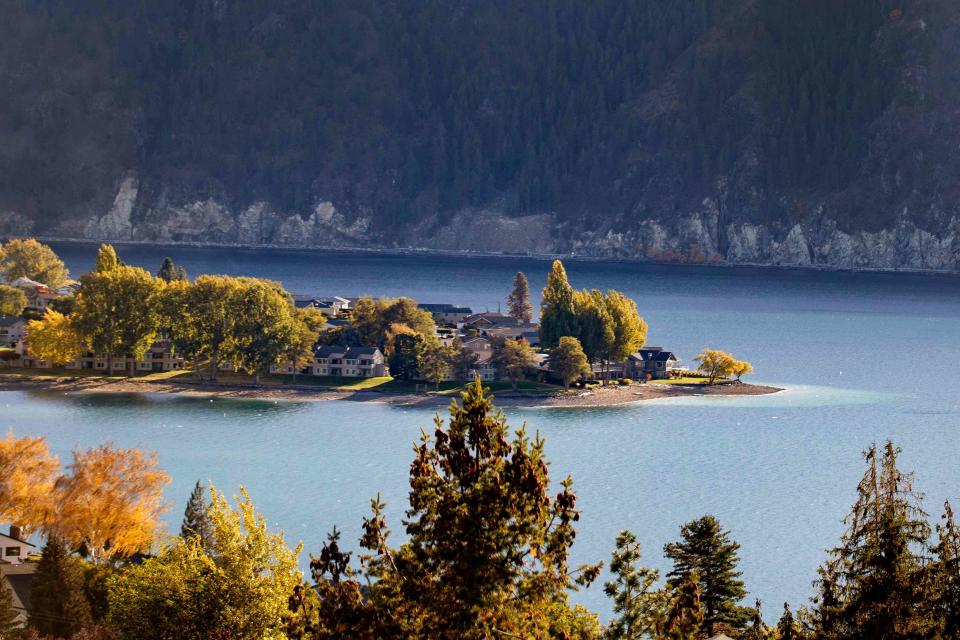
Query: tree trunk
point(109, 363)
point(214, 357)
point(131, 367)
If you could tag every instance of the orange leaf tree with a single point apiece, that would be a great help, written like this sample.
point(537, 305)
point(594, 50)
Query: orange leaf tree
point(27, 475)
point(110, 501)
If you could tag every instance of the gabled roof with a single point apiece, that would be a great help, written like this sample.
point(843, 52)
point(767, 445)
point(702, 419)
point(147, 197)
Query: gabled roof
point(655, 354)
point(22, 283)
point(4, 538)
point(9, 321)
point(329, 351)
point(443, 307)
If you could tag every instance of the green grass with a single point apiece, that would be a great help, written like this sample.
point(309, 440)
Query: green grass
point(686, 380)
point(87, 374)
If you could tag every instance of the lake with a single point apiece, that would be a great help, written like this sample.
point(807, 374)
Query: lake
point(864, 357)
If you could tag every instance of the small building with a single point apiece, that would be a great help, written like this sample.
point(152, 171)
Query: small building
point(446, 313)
point(354, 361)
point(529, 331)
point(330, 307)
point(489, 319)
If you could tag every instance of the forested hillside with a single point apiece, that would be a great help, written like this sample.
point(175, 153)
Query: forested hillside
point(694, 130)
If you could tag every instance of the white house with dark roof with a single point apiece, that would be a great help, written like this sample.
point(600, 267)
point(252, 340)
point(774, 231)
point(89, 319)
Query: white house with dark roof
point(353, 361)
point(13, 549)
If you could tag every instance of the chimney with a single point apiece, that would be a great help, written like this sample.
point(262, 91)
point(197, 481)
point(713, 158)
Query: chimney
point(15, 532)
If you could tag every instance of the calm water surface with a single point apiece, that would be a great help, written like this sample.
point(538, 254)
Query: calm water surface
point(863, 356)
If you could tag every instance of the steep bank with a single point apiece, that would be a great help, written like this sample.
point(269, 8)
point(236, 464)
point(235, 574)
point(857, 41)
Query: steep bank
point(735, 131)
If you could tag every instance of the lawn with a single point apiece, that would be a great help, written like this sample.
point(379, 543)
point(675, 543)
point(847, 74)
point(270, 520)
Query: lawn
point(90, 374)
point(687, 380)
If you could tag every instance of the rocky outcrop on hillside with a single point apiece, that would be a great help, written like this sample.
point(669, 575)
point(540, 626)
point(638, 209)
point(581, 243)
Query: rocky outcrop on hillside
point(816, 134)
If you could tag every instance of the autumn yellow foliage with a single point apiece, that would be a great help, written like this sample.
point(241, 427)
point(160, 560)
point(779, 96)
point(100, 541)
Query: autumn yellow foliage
point(27, 474)
point(53, 338)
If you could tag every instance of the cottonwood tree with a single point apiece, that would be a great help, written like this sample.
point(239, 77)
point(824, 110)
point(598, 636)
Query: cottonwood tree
point(109, 502)
point(235, 587)
point(594, 326)
point(568, 362)
point(557, 311)
point(203, 318)
point(706, 550)
point(637, 604)
point(118, 312)
point(629, 331)
point(266, 328)
point(31, 259)
point(54, 338)
point(518, 302)
point(305, 331)
point(487, 547)
point(373, 318)
point(107, 259)
point(435, 363)
point(872, 583)
point(12, 301)
point(27, 474)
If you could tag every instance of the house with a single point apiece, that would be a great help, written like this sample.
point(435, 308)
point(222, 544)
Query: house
point(38, 295)
point(160, 357)
point(482, 347)
point(330, 307)
point(354, 361)
point(654, 361)
point(446, 313)
point(529, 331)
point(489, 319)
point(13, 329)
point(15, 549)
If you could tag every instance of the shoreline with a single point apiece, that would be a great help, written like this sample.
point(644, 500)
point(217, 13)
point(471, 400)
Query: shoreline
point(609, 396)
point(463, 253)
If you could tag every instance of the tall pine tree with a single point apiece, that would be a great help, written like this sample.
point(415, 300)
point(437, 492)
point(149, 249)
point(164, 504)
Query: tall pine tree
point(683, 618)
point(873, 582)
point(706, 549)
point(58, 606)
point(518, 302)
point(787, 626)
point(196, 517)
point(636, 604)
point(946, 576)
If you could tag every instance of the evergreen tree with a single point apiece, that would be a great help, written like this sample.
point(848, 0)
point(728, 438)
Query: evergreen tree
point(683, 618)
point(171, 272)
point(873, 582)
point(705, 549)
point(758, 629)
point(787, 627)
point(557, 312)
point(9, 625)
point(488, 545)
point(58, 606)
point(196, 518)
point(636, 604)
point(518, 302)
point(946, 576)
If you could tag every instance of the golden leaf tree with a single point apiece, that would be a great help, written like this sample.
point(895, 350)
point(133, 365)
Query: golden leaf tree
point(54, 338)
point(27, 474)
point(110, 501)
point(34, 260)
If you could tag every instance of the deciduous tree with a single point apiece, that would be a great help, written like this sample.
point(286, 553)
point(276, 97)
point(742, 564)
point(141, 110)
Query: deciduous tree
point(513, 358)
point(557, 311)
point(716, 364)
point(109, 502)
point(408, 349)
point(373, 318)
point(54, 338)
point(31, 259)
point(27, 474)
point(118, 313)
point(705, 550)
point(12, 301)
point(567, 361)
point(594, 326)
point(742, 368)
point(236, 587)
point(628, 328)
point(266, 329)
point(435, 363)
point(518, 302)
point(207, 318)
point(107, 259)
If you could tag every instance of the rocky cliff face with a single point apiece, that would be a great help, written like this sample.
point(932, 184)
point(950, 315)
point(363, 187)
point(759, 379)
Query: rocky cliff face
point(712, 131)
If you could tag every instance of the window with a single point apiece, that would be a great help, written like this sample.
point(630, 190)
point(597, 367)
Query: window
point(12, 551)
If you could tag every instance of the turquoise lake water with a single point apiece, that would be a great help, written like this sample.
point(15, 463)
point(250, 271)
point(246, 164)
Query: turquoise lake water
point(864, 357)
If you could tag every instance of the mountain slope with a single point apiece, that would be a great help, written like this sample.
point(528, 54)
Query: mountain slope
point(778, 131)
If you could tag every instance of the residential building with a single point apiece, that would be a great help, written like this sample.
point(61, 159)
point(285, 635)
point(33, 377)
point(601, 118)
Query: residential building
point(38, 295)
point(13, 329)
point(14, 549)
point(489, 319)
point(482, 347)
point(354, 361)
point(330, 307)
point(654, 361)
point(160, 357)
point(446, 313)
point(529, 331)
